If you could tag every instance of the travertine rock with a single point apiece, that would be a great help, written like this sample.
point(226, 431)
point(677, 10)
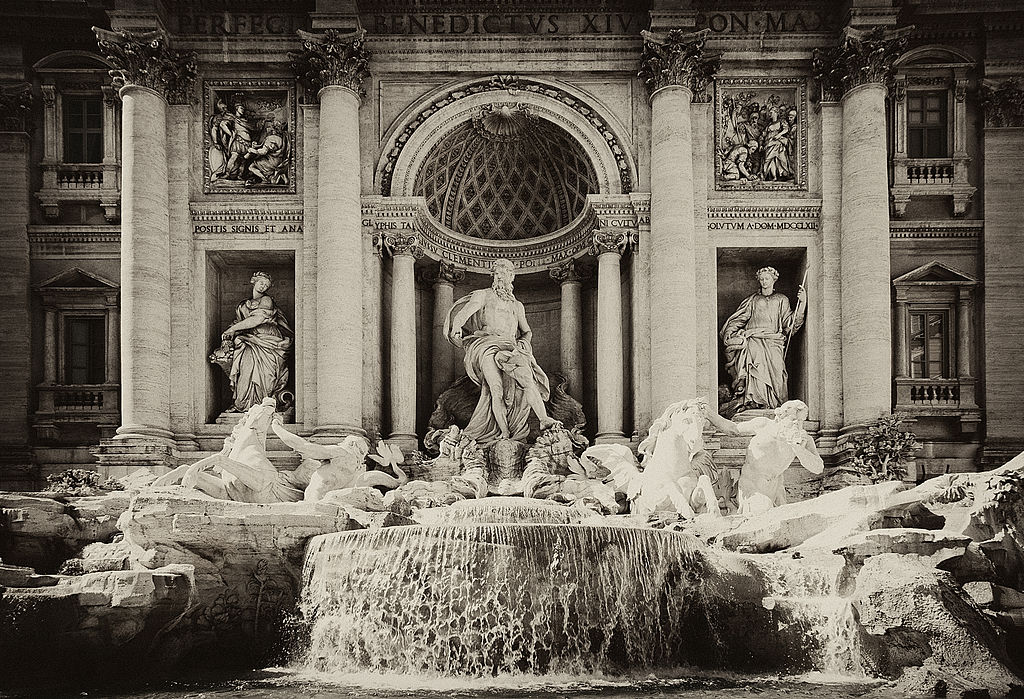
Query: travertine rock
point(91, 624)
point(42, 532)
point(795, 523)
point(916, 617)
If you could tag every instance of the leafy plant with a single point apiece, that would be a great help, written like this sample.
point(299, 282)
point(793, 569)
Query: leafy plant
point(79, 481)
point(883, 451)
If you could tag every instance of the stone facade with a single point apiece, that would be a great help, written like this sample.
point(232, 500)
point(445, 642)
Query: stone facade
point(636, 161)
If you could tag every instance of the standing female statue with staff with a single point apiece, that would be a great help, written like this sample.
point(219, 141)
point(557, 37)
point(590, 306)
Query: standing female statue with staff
point(756, 339)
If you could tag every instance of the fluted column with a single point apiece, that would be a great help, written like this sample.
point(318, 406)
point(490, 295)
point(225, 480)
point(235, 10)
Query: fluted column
point(609, 246)
point(442, 363)
point(859, 69)
point(334, 66)
point(403, 340)
point(144, 63)
point(571, 320)
point(673, 68)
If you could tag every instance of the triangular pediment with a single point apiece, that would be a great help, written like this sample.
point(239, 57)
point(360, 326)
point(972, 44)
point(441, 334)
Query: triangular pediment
point(77, 278)
point(935, 272)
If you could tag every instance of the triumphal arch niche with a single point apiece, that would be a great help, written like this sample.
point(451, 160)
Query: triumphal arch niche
point(523, 169)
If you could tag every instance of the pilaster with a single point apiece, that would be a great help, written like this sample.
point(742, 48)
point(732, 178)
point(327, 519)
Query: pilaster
point(1004, 270)
point(16, 345)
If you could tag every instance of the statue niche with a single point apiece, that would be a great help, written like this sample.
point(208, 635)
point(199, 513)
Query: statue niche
point(756, 341)
point(255, 349)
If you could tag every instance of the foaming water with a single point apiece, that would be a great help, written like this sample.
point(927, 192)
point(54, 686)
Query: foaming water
point(513, 587)
point(486, 599)
point(810, 593)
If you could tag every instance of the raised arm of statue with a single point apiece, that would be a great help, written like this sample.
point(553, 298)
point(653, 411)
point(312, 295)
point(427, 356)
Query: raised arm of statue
point(461, 312)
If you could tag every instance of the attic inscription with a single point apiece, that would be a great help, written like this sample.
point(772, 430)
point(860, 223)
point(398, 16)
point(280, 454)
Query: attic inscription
point(506, 23)
point(777, 22)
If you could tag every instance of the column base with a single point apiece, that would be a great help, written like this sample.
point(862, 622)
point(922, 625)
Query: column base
point(144, 432)
point(126, 453)
point(407, 442)
point(612, 438)
point(324, 433)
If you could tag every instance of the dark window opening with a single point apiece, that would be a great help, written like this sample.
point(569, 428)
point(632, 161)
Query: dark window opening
point(929, 345)
point(83, 130)
point(85, 350)
point(927, 125)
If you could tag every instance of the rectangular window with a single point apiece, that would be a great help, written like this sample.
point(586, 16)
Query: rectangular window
point(85, 350)
point(83, 130)
point(927, 125)
point(929, 345)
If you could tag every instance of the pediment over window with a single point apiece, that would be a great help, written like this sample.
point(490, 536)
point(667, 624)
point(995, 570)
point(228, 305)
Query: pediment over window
point(937, 273)
point(63, 61)
point(77, 278)
point(934, 56)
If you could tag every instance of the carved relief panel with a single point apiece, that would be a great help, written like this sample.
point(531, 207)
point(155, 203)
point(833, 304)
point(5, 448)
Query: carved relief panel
point(249, 140)
point(760, 134)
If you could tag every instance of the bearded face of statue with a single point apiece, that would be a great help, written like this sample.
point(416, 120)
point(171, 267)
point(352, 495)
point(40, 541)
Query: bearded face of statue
point(503, 276)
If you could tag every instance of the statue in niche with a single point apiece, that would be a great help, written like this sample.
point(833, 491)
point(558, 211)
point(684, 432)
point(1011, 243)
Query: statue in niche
point(756, 339)
point(773, 445)
point(254, 349)
point(490, 325)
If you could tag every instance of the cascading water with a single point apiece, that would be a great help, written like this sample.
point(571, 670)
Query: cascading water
point(810, 594)
point(516, 586)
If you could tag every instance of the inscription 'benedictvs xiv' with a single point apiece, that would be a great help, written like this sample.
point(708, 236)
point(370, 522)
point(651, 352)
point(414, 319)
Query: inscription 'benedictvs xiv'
point(506, 23)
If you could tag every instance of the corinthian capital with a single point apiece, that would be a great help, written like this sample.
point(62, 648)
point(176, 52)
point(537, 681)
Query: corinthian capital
point(862, 57)
point(677, 58)
point(146, 59)
point(611, 240)
point(332, 58)
point(1003, 103)
point(15, 107)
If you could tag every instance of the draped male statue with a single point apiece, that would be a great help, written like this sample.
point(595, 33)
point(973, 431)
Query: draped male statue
point(490, 325)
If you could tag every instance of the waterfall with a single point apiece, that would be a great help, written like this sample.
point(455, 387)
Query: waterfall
point(513, 586)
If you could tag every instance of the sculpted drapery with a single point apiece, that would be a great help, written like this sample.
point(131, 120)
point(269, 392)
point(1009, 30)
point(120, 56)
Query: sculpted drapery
point(490, 325)
point(755, 339)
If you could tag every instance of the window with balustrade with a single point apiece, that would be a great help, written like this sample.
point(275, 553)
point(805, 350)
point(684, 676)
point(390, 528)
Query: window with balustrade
point(80, 360)
point(933, 337)
point(928, 113)
point(81, 137)
point(82, 125)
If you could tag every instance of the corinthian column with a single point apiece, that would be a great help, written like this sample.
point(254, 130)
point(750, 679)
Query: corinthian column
point(403, 340)
point(442, 363)
point(334, 67)
point(609, 246)
point(859, 70)
point(150, 75)
point(674, 69)
point(570, 279)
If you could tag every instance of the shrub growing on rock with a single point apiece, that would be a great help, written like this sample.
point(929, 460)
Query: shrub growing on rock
point(79, 481)
point(882, 453)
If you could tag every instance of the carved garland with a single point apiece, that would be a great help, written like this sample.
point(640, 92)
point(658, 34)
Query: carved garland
point(145, 59)
point(862, 57)
point(1003, 103)
point(511, 84)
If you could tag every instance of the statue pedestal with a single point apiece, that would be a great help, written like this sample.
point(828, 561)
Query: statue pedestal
point(506, 461)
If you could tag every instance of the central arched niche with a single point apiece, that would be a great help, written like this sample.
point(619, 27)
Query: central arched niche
point(506, 174)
